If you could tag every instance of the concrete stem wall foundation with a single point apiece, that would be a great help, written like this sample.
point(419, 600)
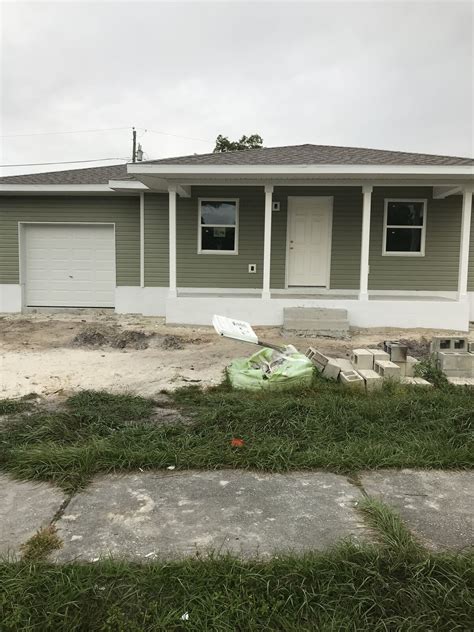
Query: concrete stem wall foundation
point(198, 310)
point(430, 314)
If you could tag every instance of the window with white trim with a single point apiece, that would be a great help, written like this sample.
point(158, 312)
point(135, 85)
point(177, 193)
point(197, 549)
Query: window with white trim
point(404, 228)
point(218, 226)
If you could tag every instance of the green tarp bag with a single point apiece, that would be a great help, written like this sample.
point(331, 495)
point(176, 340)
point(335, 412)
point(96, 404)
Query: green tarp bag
point(269, 369)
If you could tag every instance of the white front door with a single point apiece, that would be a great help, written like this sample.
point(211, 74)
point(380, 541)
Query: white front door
point(69, 265)
point(309, 226)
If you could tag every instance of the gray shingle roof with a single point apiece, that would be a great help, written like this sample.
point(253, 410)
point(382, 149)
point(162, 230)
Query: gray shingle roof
point(315, 155)
point(289, 155)
point(90, 175)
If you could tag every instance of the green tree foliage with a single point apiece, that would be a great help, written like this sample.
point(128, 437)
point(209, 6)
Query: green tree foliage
point(254, 141)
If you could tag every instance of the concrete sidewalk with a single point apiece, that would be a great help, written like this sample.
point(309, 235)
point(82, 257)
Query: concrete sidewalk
point(158, 514)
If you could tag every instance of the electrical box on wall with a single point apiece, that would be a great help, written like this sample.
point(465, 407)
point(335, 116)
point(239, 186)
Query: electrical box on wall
point(252, 268)
point(276, 206)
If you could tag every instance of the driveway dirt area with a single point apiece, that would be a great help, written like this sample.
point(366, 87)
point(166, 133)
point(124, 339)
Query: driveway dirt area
point(58, 353)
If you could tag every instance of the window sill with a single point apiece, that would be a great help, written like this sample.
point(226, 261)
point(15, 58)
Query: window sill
point(217, 252)
point(403, 254)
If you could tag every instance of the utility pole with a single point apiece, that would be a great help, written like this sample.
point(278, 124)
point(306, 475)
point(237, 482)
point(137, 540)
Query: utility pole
point(134, 145)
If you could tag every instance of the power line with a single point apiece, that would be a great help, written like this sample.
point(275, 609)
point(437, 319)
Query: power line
point(153, 131)
point(64, 162)
point(106, 129)
point(76, 131)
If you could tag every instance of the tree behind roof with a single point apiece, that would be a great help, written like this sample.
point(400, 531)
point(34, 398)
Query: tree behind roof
point(254, 141)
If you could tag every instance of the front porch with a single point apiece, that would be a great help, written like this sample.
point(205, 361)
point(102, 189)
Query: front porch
point(396, 310)
point(368, 304)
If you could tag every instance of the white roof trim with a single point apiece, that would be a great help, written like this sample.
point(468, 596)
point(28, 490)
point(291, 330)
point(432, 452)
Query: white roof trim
point(55, 188)
point(240, 170)
point(128, 184)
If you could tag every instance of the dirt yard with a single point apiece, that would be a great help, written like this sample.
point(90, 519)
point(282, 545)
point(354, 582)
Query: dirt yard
point(58, 353)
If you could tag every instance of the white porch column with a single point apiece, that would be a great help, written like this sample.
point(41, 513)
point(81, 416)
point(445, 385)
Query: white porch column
point(465, 240)
point(365, 243)
point(142, 239)
point(267, 240)
point(172, 239)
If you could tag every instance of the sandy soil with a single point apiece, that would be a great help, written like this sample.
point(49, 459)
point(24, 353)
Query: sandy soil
point(39, 353)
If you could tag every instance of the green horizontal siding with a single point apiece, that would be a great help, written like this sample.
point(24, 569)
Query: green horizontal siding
point(470, 283)
point(122, 211)
point(204, 270)
point(156, 240)
point(438, 269)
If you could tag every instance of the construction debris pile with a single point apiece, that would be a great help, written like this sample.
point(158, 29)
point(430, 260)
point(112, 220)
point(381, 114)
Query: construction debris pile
point(367, 368)
point(271, 368)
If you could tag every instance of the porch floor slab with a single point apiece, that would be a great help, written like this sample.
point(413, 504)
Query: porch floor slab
point(316, 297)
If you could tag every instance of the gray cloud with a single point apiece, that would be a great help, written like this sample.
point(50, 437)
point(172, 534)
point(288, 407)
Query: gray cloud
point(379, 74)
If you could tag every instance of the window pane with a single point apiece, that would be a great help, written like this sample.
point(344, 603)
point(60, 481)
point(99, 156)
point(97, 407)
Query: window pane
point(403, 240)
point(217, 238)
point(218, 212)
point(405, 214)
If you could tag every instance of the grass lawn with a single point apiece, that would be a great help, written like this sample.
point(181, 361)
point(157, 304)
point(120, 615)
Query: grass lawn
point(321, 427)
point(392, 586)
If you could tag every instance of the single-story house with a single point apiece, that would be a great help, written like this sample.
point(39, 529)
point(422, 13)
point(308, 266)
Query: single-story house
point(385, 235)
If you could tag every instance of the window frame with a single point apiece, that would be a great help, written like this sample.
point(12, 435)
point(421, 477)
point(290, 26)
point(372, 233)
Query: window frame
point(395, 253)
point(200, 250)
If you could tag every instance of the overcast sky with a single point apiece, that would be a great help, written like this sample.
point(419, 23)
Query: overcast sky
point(389, 75)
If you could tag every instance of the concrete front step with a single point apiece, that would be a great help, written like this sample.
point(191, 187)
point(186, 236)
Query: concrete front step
point(321, 321)
point(314, 313)
point(316, 325)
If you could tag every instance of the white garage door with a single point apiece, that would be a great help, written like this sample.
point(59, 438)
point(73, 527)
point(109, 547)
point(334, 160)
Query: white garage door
point(69, 265)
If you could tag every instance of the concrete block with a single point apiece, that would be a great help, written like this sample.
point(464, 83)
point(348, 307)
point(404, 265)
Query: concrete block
point(379, 354)
point(351, 379)
point(362, 359)
point(415, 381)
point(456, 363)
point(448, 343)
point(387, 369)
point(331, 370)
point(318, 358)
point(344, 364)
point(459, 374)
point(371, 378)
point(462, 381)
point(407, 369)
point(397, 351)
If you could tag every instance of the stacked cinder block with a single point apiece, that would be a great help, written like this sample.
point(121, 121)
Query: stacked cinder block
point(371, 378)
point(399, 355)
point(368, 368)
point(387, 369)
point(453, 356)
point(352, 379)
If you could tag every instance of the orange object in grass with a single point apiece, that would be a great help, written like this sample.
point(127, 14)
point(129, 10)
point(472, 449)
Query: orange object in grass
point(237, 443)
